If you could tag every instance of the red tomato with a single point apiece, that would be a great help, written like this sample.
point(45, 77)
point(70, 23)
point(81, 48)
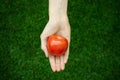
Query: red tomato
point(57, 45)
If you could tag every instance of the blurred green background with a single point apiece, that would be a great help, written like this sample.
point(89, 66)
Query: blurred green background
point(95, 40)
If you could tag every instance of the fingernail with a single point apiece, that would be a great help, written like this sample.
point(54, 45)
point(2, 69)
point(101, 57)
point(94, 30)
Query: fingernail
point(46, 55)
point(53, 70)
point(58, 69)
point(63, 67)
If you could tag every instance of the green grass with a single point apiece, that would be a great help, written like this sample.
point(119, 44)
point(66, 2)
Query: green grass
point(95, 40)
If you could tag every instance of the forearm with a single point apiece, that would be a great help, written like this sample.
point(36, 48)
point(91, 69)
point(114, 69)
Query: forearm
point(57, 9)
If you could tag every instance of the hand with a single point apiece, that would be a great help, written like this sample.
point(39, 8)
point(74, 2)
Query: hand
point(60, 27)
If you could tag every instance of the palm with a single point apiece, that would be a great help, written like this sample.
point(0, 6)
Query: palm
point(61, 28)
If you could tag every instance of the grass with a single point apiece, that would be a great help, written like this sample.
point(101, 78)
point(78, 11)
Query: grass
point(95, 40)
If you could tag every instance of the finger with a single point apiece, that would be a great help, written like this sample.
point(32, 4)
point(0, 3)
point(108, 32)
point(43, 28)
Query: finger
point(58, 63)
point(52, 63)
point(43, 46)
point(66, 56)
point(48, 30)
point(62, 63)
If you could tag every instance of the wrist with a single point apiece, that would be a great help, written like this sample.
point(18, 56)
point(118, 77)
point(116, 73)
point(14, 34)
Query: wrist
point(58, 17)
point(57, 9)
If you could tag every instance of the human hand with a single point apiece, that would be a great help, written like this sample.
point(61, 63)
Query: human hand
point(60, 27)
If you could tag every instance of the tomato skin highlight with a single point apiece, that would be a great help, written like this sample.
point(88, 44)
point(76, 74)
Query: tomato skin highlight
point(57, 45)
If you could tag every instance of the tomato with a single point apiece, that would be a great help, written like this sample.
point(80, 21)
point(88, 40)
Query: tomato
point(57, 45)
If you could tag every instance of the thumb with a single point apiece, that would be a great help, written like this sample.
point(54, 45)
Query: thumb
point(43, 45)
point(48, 30)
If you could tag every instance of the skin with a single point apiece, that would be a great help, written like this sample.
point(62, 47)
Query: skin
point(58, 24)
